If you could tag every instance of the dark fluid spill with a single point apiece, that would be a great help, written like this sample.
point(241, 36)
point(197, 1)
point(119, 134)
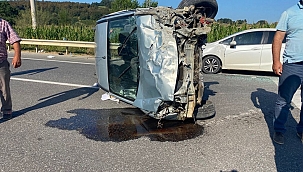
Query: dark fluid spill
point(126, 124)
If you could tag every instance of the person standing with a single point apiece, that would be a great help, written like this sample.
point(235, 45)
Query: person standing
point(290, 72)
point(7, 33)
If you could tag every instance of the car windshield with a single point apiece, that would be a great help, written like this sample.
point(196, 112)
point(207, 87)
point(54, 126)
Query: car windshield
point(123, 57)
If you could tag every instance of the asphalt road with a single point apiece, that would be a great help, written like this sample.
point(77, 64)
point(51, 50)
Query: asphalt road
point(61, 124)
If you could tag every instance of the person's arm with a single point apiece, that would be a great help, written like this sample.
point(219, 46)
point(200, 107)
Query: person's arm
point(16, 62)
point(276, 50)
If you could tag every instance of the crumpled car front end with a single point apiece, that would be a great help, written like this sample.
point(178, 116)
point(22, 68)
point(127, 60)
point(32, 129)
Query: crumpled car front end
point(157, 63)
point(171, 82)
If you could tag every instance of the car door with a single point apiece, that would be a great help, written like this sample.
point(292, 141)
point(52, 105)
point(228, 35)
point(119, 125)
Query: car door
point(246, 53)
point(266, 56)
point(101, 55)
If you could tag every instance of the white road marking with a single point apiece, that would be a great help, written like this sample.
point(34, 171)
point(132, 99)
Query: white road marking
point(297, 97)
point(60, 61)
point(54, 83)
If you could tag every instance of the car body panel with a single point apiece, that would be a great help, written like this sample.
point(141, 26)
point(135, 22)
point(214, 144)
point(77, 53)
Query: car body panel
point(266, 57)
point(243, 57)
point(158, 63)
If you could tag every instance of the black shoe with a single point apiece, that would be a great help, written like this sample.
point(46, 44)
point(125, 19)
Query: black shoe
point(7, 116)
point(300, 135)
point(278, 138)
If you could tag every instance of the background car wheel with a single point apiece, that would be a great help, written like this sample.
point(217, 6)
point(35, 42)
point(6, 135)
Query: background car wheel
point(211, 6)
point(211, 65)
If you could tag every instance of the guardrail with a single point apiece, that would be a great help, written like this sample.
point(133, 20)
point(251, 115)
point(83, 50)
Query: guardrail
point(62, 43)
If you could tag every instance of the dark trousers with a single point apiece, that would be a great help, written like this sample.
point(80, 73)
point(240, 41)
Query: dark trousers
point(289, 82)
point(5, 93)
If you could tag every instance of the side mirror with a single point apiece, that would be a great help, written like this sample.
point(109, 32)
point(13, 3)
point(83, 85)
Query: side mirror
point(233, 44)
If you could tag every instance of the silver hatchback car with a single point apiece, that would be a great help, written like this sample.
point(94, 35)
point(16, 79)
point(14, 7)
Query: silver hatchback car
point(245, 50)
point(150, 58)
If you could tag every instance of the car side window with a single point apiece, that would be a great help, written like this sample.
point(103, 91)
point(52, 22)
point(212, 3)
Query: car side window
point(271, 35)
point(226, 41)
point(251, 38)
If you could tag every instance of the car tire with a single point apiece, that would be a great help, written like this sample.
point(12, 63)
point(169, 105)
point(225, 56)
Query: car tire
point(210, 5)
point(211, 65)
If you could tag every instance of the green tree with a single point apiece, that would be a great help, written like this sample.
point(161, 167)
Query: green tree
point(225, 20)
point(24, 18)
point(262, 22)
point(118, 5)
point(149, 3)
point(8, 13)
point(64, 17)
point(241, 21)
point(106, 3)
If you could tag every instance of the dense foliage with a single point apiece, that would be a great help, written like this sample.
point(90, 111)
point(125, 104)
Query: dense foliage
point(219, 30)
point(75, 21)
point(65, 13)
point(8, 12)
point(59, 13)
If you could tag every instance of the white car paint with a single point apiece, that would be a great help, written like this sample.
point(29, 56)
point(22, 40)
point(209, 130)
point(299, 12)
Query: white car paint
point(255, 57)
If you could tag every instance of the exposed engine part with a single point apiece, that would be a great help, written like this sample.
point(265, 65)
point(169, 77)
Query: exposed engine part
point(190, 28)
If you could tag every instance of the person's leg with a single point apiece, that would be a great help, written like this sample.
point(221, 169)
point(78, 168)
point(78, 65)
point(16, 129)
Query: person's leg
point(5, 88)
point(289, 82)
point(300, 124)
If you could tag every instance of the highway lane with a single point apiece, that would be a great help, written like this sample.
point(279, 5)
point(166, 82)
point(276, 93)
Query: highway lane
point(61, 124)
point(58, 69)
point(234, 94)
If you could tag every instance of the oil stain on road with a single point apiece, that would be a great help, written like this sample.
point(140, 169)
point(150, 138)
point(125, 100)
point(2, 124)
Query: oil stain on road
point(124, 124)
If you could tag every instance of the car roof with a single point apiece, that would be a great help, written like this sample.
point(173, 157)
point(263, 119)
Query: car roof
point(116, 14)
point(247, 31)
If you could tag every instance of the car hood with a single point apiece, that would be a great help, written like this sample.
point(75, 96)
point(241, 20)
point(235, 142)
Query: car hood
point(158, 58)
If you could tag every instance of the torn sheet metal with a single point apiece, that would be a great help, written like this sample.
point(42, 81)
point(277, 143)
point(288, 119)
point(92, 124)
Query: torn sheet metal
point(158, 58)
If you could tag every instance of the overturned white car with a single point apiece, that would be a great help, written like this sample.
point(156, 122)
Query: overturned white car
point(152, 58)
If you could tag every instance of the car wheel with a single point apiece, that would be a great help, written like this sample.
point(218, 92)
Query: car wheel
point(211, 65)
point(211, 6)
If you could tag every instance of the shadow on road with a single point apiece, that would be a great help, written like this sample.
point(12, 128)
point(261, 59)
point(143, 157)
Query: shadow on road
point(244, 72)
point(57, 98)
point(288, 157)
point(32, 72)
point(207, 91)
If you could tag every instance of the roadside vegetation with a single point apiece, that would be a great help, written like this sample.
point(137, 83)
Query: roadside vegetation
point(75, 21)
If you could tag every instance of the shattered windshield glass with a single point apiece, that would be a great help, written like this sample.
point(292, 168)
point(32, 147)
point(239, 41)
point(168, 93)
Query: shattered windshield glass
point(123, 57)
